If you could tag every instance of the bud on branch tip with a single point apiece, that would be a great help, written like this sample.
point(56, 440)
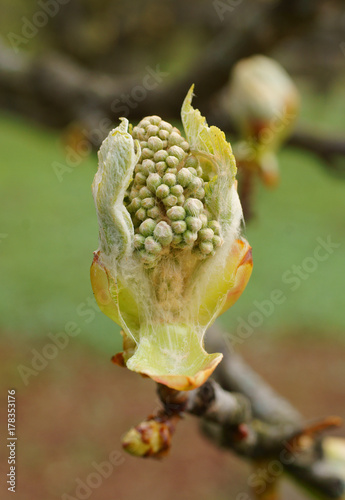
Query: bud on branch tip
point(170, 256)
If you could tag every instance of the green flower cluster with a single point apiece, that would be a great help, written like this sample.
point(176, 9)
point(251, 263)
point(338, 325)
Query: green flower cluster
point(166, 198)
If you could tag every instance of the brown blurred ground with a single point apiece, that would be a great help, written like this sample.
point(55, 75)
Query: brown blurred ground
point(75, 411)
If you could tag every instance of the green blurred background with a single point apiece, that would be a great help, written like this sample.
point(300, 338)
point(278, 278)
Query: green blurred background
point(75, 410)
point(51, 230)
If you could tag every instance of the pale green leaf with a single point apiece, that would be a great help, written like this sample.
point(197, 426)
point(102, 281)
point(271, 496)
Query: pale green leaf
point(118, 156)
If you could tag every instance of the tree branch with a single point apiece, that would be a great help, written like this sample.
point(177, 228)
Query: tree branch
point(62, 91)
point(330, 150)
point(257, 423)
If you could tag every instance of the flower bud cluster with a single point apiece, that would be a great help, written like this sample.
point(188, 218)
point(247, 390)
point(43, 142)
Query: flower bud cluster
point(166, 198)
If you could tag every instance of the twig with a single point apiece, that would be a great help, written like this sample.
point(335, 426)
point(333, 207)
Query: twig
point(257, 423)
point(301, 455)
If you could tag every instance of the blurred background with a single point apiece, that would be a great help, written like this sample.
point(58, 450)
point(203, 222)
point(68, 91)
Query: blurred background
point(68, 70)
